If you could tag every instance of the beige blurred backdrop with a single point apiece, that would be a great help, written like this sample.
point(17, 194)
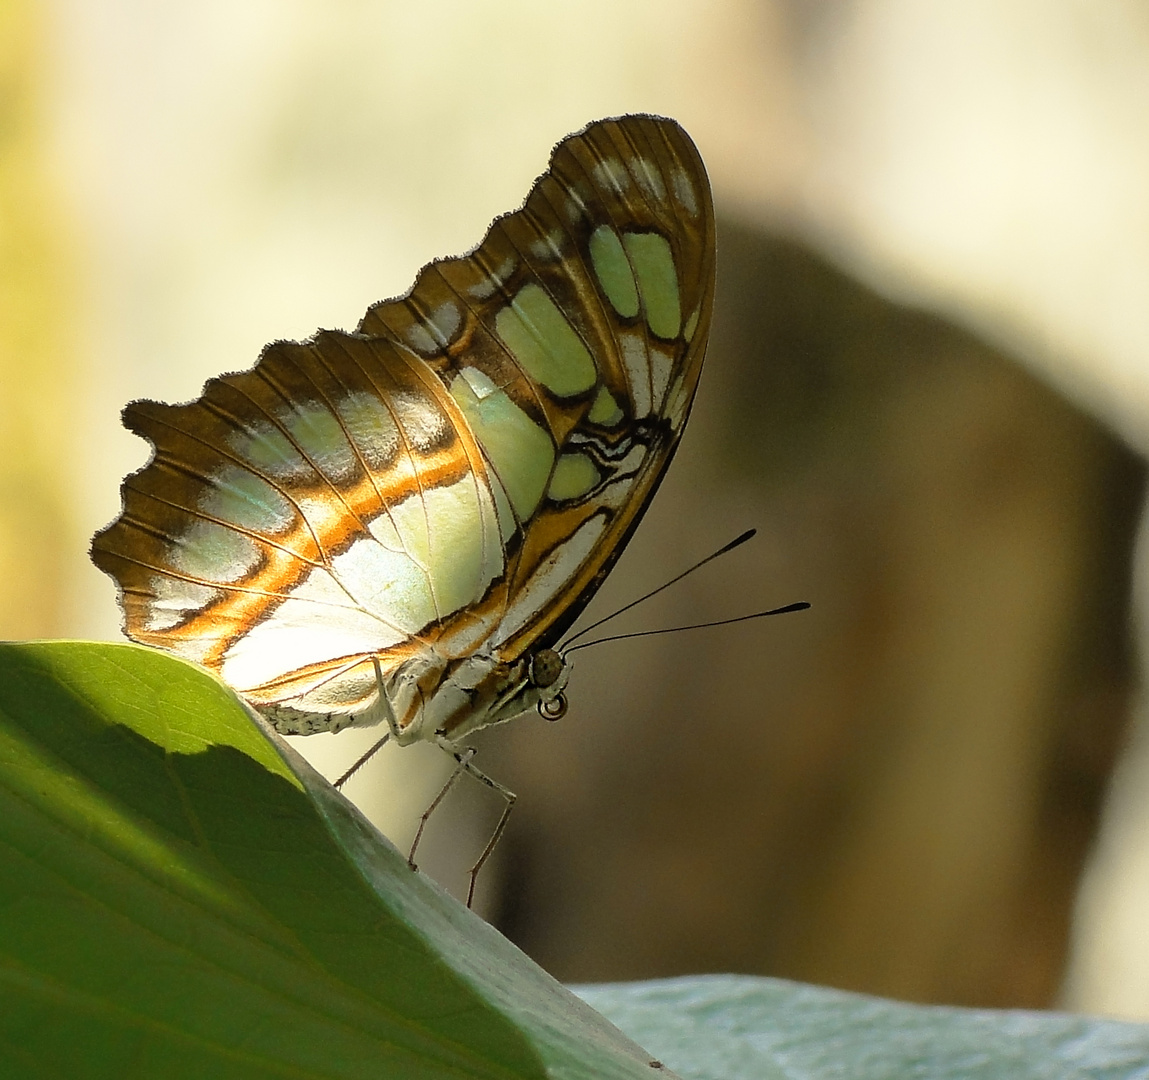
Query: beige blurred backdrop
point(181, 183)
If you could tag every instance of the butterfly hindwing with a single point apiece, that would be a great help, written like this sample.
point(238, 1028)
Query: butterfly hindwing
point(460, 472)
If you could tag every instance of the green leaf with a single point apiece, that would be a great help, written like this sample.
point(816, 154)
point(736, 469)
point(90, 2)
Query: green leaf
point(181, 896)
point(731, 1027)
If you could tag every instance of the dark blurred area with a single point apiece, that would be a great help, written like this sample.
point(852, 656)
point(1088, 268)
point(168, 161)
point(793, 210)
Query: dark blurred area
point(895, 791)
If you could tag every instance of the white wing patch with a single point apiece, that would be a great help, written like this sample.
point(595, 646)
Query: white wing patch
point(492, 283)
point(264, 446)
point(611, 173)
point(174, 599)
point(213, 553)
point(371, 426)
point(637, 365)
point(240, 497)
point(614, 494)
point(424, 427)
point(684, 192)
point(649, 178)
point(549, 246)
point(661, 364)
point(431, 556)
point(316, 430)
point(317, 622)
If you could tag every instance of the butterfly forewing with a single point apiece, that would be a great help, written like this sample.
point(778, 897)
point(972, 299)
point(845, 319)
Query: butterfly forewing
point(589, 310)
point(458, 474)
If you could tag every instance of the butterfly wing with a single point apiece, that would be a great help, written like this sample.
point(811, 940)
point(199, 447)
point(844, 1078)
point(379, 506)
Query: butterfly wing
point(457, 475)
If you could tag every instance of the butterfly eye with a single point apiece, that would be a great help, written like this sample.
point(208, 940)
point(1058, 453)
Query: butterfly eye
point(555, 709)
point(546, 667)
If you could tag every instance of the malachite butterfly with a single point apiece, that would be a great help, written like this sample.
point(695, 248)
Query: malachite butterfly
point(398, 524)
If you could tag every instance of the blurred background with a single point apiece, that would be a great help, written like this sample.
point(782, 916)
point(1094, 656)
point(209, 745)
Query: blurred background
point(928, 388)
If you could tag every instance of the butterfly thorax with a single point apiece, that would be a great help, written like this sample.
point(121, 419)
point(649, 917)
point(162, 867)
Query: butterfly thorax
point(475, 692)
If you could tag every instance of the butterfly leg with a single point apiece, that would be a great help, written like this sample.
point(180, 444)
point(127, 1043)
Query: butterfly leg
point(464, 758)
point(384, 706)
point(385, 702)
point(362, 760)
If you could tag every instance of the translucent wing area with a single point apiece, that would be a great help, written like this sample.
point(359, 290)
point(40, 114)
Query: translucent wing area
point(460, 472)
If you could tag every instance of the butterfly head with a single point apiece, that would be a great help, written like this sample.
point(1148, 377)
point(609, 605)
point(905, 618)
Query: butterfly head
point(536, 681)
point(547, 672)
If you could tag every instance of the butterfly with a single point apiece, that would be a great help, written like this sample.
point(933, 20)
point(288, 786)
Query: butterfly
point(398, 524)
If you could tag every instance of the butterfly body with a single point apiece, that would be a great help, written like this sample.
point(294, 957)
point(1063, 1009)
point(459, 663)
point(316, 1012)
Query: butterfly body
point(399, 523)
point(428, 697)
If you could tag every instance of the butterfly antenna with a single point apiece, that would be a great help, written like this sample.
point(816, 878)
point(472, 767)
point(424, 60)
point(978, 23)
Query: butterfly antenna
point(736, 542)
point(800, 606)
